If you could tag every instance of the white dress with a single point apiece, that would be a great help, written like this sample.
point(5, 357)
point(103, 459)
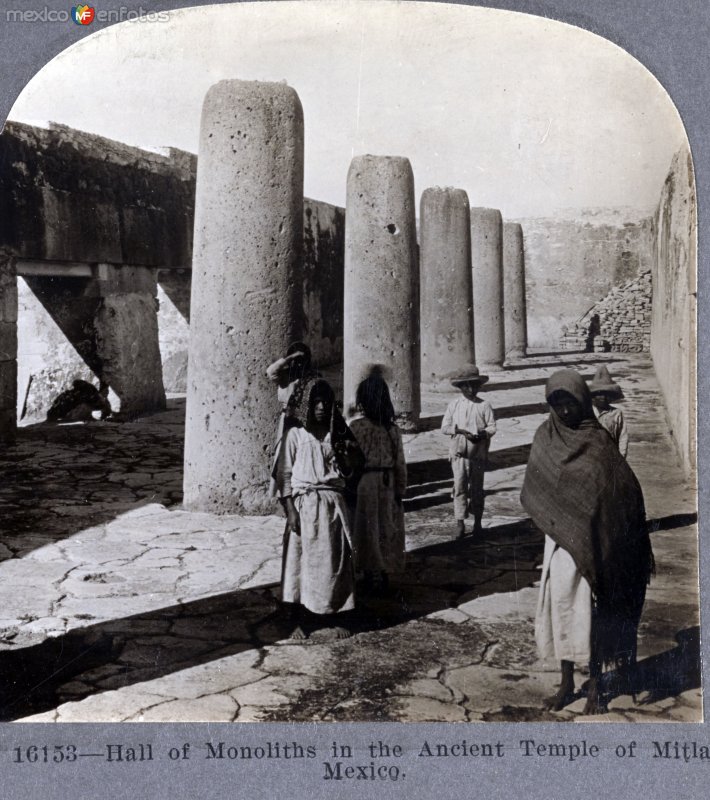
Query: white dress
point(563, 622)
point(318, 569)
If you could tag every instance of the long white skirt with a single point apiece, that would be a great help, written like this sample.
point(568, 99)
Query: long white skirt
point(563, 623)
point(318, 569)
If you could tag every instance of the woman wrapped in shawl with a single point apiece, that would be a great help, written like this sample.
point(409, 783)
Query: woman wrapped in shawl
point(318, 570)
point(582, 494)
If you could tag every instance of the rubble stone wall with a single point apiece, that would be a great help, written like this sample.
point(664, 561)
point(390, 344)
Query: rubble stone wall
point(673, 329)
point(574, 260)
point(623, 321)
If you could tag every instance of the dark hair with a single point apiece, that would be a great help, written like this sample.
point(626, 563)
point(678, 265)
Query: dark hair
point(320, 390)
point(301, 347)
point(373, 398)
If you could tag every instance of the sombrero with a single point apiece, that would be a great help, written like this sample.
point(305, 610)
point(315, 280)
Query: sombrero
point(602, 382)
point(467, 374)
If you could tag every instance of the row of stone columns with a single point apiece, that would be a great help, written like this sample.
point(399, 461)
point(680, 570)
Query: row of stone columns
point(246, 292)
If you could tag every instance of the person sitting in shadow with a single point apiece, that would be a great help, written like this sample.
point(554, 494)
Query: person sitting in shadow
point(79, 403)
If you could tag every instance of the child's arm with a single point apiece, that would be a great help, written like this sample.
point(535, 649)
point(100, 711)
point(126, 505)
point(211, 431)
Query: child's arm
point(285, 470)
point(448, 426)
point(623, 435)
point(284, 465)
point(489, 420)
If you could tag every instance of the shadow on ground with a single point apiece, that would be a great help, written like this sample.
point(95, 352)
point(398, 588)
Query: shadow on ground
point(143, 647)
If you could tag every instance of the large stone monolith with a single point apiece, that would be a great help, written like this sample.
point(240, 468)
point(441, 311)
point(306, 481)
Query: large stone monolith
point(126, 331)
point(515, 316)
point(8, 347)
point(381, 311)
point(446, 293)
point(246, 289)
point(487, 261)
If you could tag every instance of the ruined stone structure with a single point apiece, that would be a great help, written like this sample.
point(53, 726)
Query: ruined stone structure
point(246, 293)
point(515, 316)
point(576, 258)
point(624, 321)
point(673, 331)
point(87, 220)
point(99, 234)
point(382, 280)
point(446, 301)
point(487, 261)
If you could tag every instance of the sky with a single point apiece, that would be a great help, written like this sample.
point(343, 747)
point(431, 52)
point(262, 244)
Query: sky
point(528, 115)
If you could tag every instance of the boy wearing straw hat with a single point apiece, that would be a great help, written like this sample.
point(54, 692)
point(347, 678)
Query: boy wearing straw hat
point(470, 423)
point(604, 390)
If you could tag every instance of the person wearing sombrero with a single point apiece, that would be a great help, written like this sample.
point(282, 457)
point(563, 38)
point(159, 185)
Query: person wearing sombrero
point(470, 423)
point(604, 391)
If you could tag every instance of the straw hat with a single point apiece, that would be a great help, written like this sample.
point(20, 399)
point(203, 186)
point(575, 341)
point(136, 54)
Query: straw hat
point(467, 374)
point(602, 383)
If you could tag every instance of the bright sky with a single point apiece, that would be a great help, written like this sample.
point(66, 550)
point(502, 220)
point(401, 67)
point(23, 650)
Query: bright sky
point(528, 115)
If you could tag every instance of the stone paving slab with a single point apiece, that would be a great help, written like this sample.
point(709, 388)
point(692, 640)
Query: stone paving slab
point(148, 612)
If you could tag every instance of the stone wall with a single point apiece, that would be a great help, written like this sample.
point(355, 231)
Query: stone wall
point(618, 323)
point(67, 195)
point(673, 331)
point(574, 260)
point(8, 346)
point(70, 196)
point(48, 362)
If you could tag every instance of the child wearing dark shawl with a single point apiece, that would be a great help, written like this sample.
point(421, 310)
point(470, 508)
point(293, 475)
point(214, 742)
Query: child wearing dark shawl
point(294, 375)
point(318, 571)
point(378, 525)
point(582, 494)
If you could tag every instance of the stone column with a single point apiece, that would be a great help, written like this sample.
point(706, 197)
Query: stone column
point(487, 260)
point(246, 289)
point(446, 293)
point(515, 318)
point(126, 330)
point(381, 310)
point(8, 348)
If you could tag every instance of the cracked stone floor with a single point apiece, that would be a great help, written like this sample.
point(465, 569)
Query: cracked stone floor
point(117, 604)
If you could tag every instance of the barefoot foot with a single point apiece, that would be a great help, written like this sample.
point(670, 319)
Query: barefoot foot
point(340, 633)
point(298, 634)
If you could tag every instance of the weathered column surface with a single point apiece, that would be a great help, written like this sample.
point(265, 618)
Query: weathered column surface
point(126, 330)
point(515, 316)
point(487, 261)
point(245, 289)
point(8, 348)
point(446, 294)
point(381, 310)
